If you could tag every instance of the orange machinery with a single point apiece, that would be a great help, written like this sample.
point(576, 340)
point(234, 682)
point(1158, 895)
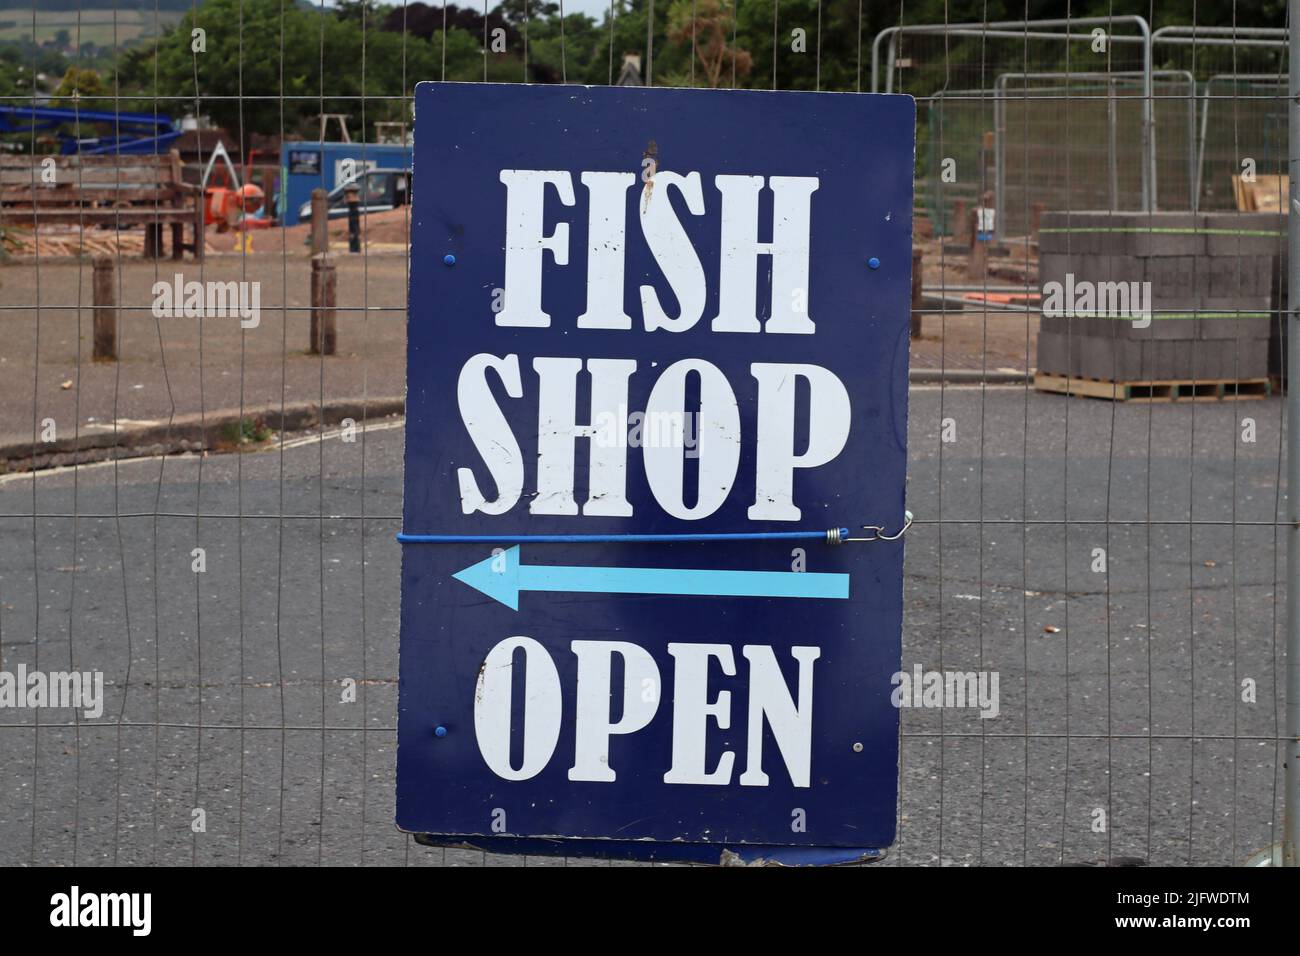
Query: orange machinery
point(227, 203)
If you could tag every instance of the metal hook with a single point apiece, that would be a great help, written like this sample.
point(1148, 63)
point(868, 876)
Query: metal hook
point(877, 532)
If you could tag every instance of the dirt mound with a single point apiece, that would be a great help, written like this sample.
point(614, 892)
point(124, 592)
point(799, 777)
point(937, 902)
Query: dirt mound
point(386, 230)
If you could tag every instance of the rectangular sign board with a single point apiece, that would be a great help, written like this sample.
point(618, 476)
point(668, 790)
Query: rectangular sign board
point(654, 335)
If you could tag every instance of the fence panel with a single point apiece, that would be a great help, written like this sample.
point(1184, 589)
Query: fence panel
point(205, 522)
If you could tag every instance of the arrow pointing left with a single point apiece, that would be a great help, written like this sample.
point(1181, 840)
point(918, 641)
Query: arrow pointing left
point(502, 576)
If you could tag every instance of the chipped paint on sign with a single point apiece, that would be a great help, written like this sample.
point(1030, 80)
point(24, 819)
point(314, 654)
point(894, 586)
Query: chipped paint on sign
point(659, 701)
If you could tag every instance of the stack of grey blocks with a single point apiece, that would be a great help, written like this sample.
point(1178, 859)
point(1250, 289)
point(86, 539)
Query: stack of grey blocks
point(1211, 280)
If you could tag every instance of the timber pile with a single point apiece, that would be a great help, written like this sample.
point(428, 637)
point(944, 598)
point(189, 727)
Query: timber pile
point(114, 192)
point(50, 244)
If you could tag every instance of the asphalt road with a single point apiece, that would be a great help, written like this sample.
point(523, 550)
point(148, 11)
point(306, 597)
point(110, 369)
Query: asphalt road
point(1104, 676)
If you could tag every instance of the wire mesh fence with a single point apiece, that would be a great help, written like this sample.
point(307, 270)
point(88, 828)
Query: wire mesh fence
point(1014, 133)
point(199, 530)
point(1241, 115)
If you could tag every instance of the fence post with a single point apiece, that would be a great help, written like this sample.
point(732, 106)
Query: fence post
point(916, 293)
point(1036, 217)
point(988, 167)
point(105, 309)
point(650, 46)
point(324, 285)
point(200, 225)
point(1291, 811)
point(976, 265)
point(320, 222)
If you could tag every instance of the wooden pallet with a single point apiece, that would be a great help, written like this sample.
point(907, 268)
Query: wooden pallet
point(1164, 390)
point(1266, 193)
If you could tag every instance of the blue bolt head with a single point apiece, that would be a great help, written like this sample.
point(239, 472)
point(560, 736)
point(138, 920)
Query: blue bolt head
point(873, 262)
point(449, 260)
point(440, 731)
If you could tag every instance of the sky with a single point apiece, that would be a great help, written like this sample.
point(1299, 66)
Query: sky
point(592, 8)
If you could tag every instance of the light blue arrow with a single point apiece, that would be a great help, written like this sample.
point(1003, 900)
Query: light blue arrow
point(501, 577)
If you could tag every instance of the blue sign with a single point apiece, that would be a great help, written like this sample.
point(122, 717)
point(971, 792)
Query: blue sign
point(657, 362)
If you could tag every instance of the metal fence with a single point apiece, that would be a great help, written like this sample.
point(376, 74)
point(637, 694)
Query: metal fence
point(209, 521)
point(1240, 116)
point(1022, 116)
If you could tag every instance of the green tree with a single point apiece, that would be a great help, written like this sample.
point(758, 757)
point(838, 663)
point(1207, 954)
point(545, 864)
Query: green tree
point(290, 63)
point(82, 89)
point(290, 60)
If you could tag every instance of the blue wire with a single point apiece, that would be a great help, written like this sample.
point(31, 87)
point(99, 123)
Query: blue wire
point(597, 538)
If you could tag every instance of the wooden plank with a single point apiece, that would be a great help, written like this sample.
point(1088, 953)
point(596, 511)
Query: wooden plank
point(1266, 193)
point(1155, 391)
point(15, 216)
point(141, 161)
point(33, 176)
point(1046, 382)
point(26, 196)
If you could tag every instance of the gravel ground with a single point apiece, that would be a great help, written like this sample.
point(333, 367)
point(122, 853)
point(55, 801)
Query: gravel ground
point(229, 685)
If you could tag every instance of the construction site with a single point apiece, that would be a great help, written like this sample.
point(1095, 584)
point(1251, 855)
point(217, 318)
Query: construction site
point(232, 265)
point(1147, 149)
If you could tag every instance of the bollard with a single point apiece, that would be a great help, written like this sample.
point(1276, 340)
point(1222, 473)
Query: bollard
point(105, 313)
point(960, 223)
point(320, 222)
point(324, 286)
point(353, 196)
point(916, 293)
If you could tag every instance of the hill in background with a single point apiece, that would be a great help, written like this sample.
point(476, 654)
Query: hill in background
point(97, 22)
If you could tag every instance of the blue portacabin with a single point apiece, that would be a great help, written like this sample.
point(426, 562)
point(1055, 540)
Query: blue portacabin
point(657, 369)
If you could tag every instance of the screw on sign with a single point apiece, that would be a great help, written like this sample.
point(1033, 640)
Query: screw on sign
point(606, 649)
